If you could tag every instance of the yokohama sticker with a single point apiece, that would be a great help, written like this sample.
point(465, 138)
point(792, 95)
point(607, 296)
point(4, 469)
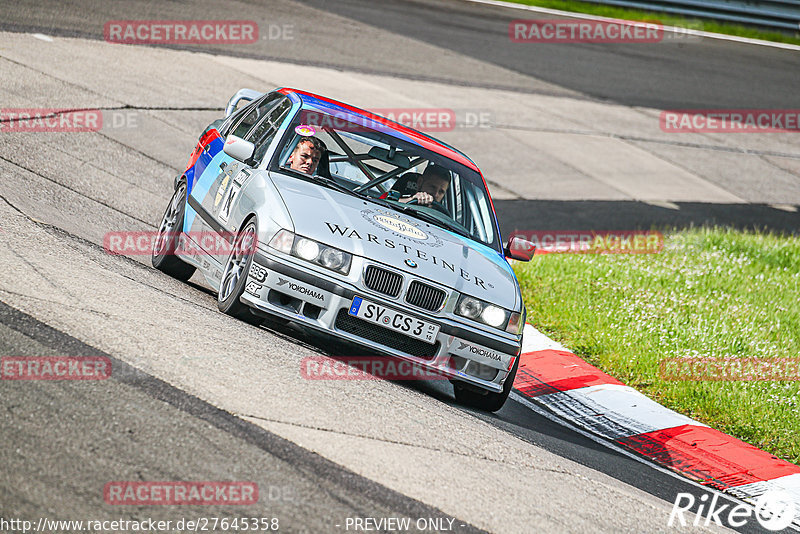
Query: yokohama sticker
point(487, 356)
point(299, 290)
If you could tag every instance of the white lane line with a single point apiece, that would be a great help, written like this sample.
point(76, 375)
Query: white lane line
point(673, 29)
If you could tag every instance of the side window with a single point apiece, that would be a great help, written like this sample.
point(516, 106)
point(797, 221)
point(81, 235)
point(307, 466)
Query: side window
point(227, 124)
point(261, 136)
point(256, 113)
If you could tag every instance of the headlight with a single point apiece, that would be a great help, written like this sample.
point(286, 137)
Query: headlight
point(469, 307)
point(493, 316)
point(306, 249)
point(312, 251)
point(478, 310)
point(332, 258)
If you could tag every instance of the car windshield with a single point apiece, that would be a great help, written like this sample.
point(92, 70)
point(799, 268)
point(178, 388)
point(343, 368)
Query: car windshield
point(392, 171)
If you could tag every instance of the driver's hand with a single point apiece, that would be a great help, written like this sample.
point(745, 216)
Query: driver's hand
point(422, 198)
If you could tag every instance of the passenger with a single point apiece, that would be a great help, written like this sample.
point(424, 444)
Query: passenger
point(306, 155)
point(431, 186)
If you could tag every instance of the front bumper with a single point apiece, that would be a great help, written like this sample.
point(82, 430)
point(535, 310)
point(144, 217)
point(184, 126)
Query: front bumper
point(319, 301)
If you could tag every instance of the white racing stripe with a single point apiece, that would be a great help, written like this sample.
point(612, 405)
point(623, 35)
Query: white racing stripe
point(673, 29)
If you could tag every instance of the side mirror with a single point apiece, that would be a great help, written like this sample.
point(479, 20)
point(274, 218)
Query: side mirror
point(519, 249)
point(238, 148)
point(248, 95)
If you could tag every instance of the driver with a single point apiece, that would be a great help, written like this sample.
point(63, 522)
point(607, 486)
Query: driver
point(306, 155)
point(431, 186)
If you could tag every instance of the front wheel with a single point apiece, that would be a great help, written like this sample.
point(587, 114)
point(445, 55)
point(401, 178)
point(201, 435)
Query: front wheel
point(169, 231)
point(234, 277)
point(489, 401)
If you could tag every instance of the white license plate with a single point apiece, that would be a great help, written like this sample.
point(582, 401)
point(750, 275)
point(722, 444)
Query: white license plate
point(394, 320)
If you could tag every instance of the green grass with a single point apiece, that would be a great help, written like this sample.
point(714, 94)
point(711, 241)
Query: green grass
point(665, 19)
point(709, 293)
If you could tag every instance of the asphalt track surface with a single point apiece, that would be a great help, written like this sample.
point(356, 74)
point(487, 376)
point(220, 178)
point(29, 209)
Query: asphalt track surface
point(693, 74)
point(171, 413)
point(465, 44)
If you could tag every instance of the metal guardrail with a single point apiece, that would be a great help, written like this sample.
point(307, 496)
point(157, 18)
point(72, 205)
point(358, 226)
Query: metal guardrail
point(780, 14)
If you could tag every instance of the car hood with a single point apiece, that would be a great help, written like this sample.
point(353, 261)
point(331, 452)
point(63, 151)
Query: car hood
point(386, 236)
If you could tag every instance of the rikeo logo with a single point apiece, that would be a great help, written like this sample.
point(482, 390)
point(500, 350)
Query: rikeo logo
point(774, 510)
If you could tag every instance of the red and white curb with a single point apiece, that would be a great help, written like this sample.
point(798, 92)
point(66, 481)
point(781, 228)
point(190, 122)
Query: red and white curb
point(553, 377)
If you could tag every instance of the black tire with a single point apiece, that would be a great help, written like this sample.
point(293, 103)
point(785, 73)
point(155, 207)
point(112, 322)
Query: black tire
point(169, 231)
point(234, 276)
point(488, 401)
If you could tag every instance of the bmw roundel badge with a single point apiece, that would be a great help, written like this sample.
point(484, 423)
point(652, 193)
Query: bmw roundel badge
point(411, 264)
